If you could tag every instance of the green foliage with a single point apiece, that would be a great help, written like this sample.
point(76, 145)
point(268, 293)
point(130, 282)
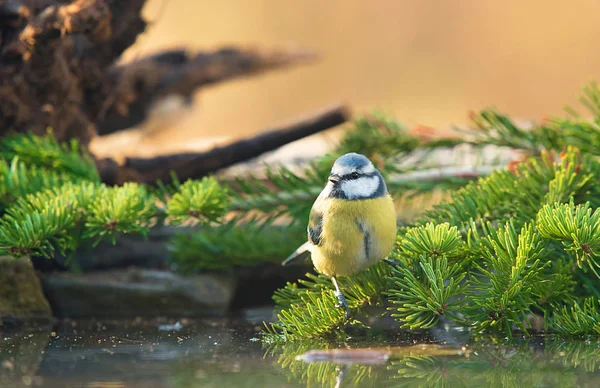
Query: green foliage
point(578, 320)
point(319, 374)
point(494, 264)
point(424, 295)
point(517, 194)
point(60, 218)
point(503, 247)
point(387, 142)
point(204, 201)
point(309, 311)
point(521, 241)
point(433, 240)
point(18, 179)
point(52, 200)
point(316, 316)
point(377, 135)
point(504, 293)
point(125, 209)
point(360, 290)
point(235, 243)
point(46, 153)
point(577, 227)
point(42, 222)
point(283, 193)
point(430, 284)
point(540, 361)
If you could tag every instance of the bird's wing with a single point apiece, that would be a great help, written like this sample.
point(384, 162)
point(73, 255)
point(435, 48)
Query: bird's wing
point(314, 229)
point(315, 225)
point(366, 230)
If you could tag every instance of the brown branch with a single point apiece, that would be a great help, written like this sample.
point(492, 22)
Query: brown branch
point(197, 165)
point(138, 86)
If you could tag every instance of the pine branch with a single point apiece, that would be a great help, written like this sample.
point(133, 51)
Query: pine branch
point(205, 201)
point(494, 128)
point(508, 242)
point(64, 215)
point(432, 241)
point(284, 193)
point(37, 223)
point(578, 320)
point(387, 142)
point(422, 299)
point(514, 276)
point(577, 227)
point(44, 152)
point(512, 267)
point(316, 317)
point(526, 187)
point(243, 243)
point(125, 209)
point(17, 180)
point(299, 307)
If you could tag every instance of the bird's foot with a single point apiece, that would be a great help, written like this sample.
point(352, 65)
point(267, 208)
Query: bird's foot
point(342, 303)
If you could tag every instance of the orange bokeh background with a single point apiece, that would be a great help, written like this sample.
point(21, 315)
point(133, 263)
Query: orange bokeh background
point(425, 62)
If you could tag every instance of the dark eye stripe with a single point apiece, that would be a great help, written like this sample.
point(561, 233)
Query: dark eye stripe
point(351, 177)
point(356, 175)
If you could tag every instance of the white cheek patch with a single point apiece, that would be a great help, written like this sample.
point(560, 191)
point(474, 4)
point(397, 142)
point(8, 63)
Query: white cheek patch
point(327, 190)
point(360, 188)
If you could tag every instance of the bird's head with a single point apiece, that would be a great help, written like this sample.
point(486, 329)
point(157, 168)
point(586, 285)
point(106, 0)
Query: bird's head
point(353, 176)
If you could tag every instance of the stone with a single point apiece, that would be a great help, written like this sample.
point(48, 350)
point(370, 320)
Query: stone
point(21, 298)
point(129, 250)
point(137, 292)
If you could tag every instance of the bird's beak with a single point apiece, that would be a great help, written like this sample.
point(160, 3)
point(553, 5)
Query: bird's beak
point(334, 179)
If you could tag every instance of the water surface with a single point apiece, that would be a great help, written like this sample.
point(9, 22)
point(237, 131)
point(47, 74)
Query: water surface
point(225, 353)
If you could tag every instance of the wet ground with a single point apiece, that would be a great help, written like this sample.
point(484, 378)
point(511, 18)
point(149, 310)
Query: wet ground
point(225, 353)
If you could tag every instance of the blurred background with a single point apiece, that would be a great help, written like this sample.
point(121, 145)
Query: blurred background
point(425, 62)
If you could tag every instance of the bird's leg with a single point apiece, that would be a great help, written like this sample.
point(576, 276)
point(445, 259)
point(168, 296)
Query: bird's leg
point(341, 374)
point(340, 297)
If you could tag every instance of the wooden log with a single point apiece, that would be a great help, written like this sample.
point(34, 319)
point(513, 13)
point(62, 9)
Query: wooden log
point(197, 165)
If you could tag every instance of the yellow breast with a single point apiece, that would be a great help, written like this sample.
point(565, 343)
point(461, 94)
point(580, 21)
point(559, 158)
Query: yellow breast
point(342, 251)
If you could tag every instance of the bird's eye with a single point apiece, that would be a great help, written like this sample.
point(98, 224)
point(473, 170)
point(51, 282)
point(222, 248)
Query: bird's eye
point(354, 175)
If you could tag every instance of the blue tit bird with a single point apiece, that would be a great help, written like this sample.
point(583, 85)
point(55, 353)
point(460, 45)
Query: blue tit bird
point(352, 224)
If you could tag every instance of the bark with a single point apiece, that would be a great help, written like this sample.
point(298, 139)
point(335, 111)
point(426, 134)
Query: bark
point(58, 70)
point(197, 165)
point(58, 67)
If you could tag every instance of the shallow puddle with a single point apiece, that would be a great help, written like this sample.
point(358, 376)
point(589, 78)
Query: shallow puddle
point(225, 353)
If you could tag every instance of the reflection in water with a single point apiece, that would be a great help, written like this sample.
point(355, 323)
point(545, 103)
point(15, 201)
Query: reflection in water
point(222, 353)
point(20, 357)
point(535, 362)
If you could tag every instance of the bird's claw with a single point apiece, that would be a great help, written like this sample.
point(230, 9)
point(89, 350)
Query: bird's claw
point(342, 303)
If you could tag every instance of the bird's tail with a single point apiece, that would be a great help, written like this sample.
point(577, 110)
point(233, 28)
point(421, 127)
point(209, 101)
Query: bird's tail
point(301, 251)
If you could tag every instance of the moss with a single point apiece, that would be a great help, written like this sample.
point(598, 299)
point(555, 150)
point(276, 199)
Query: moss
point(21, 294)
